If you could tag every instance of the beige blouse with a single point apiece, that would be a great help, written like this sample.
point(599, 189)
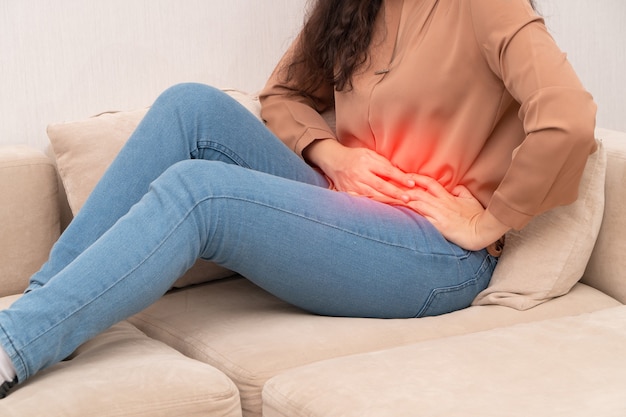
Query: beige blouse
point(471, 92)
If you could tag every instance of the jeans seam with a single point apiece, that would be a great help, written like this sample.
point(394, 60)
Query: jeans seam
point(14, 355)
point(466, 253)
point(351, 232)
point(370, 238)
point(443, 290)
point(224, 150)
point(283, 210)
point(453, 288)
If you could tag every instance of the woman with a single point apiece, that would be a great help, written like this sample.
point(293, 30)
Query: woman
point(457, 120)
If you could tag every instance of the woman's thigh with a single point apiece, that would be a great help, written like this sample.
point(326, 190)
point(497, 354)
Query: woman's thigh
point(331, 253)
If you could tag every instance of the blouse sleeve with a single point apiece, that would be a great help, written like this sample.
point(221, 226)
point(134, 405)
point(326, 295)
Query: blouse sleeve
point(557, 113)
point(293, 116)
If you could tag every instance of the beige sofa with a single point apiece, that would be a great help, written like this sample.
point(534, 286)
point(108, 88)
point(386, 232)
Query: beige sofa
point(224, 347)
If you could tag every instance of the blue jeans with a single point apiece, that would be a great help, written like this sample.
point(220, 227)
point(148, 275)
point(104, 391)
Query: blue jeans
point(202, 177)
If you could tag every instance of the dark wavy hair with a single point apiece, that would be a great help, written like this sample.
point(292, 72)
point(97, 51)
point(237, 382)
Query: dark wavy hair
point(334, 42)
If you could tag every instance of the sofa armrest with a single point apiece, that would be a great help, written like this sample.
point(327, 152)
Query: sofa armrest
point(29, 214)
point(606, 269)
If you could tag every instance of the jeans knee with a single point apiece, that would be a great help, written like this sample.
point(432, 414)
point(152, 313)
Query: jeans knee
point(184, 94)
point(194, 190)
point(191, 179)
point(180, 176)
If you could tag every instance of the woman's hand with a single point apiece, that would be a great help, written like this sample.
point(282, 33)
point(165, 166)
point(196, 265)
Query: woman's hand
point(458, 215)
point(359, 171)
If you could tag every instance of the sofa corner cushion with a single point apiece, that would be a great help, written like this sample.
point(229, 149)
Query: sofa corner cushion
point(605, 270)
point(546, 258)
point(29, 214)
point(123, 372)
point(84, 149)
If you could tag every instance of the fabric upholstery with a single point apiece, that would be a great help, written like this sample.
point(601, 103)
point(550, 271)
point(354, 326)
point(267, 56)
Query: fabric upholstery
point(606, 269)
point(29, 215)
point(122, 372)
point(85, 148)
point(538, 369)
point(547, 257)
point(251, 336)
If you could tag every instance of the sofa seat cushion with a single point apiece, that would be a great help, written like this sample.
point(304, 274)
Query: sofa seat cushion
point(122, 372)
point(573, 366)
point(251, 336)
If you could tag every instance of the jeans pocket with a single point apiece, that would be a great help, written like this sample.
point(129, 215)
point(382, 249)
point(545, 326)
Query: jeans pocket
point(455, 297)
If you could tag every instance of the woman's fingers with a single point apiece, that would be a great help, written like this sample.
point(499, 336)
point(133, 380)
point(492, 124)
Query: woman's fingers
point(386, 170)
point(364, 172)
point(430, 184)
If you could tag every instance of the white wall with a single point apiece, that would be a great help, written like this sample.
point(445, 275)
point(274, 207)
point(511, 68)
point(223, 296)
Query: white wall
point(69, 59)
point(593, 33)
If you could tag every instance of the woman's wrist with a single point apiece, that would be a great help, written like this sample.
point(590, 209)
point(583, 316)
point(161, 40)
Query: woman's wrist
point(317, 152)
point(489, 229)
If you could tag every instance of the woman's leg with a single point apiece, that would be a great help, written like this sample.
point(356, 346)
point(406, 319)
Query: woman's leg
point(321, 250)
point(187, 121)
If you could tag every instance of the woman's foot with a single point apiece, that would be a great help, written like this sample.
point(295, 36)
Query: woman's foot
point(6, 387)
point(7, 374)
